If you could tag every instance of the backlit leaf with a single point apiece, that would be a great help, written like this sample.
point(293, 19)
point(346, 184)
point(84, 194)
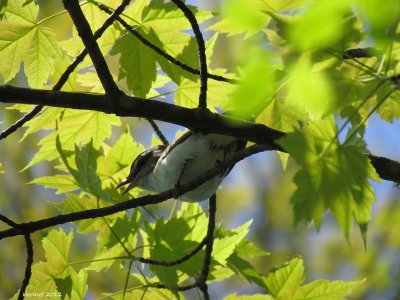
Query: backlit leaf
point(23, 39)
point(332, 176)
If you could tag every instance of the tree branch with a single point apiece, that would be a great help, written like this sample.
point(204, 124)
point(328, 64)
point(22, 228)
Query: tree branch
point(144, 108)
point(177, 261)
point(137, 107)
point(159, 51)
point(9, 222)
point(157, 130)
point(84, 31)
point(360, 53)
point(28, 268)
point(202, 280)
point(64, 77)
point(201, 51)
point(30, 227)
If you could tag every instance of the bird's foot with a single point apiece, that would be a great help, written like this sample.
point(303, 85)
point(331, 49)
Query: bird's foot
point(221, 169)
point(177, 192)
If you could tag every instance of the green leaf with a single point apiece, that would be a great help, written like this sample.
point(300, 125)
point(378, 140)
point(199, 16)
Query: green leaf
point(321, 26)
point(310, 90)
point(74, 127)
point(47, 151)
point(283, 116)
point(137, 64)
point(218, 94)
point(62, 183)
point(170, 243)
point(96, 19)
point(74, 286)
point(56, 246)
point(162, 24)
point(240, 17)
point(165, 18)
point(187, 94)
point(332, 176)
point(284, 281)
point(85, 172)
point(116, 162)
point(23, 39)
point(3, 6)
point(41, 281)
point(44, 121)
point(390, 108)
point(248, 249)
point(243, 268)
point(224, 247)
point(149, 294)
point(1, 169)
point(256, 88)
point(76, 203)
point(107, 257)
point(277, 5)
point(172, 239)
point(120, 234)
point(82, 126)
point(382, 20)
point(323, 289)
point(235, 296)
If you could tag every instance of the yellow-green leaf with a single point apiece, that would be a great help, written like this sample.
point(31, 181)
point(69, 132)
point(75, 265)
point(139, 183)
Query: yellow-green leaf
point(332, 176)
point(23, 39)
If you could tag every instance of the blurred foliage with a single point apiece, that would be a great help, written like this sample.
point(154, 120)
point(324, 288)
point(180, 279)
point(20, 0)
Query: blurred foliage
point(290, 58)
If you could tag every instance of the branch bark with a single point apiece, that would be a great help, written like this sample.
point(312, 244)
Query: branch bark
point(31, 227)
point(205, 121)
point(84, 31)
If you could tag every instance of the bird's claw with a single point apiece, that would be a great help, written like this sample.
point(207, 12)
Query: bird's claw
point(177, 192)
point(221, 169)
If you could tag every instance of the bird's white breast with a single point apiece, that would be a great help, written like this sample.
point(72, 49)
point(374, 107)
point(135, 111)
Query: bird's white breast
point(195, 155)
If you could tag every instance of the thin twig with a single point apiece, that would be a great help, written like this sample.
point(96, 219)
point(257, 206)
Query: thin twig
point(202, 280)
point(157, 130)
point(201, 51)
point(161, 52)
point(19, 123)
point(28, 269)
point(9, 222)
point(360, 53)
point(174, 262)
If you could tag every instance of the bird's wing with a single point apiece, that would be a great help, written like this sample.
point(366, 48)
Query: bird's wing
point(240, 145)
point(176, 142)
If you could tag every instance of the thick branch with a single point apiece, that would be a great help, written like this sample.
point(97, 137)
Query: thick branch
point(205, 122)
point(137, 107)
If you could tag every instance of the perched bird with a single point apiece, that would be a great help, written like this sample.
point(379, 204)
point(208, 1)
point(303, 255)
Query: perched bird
point(164, 167)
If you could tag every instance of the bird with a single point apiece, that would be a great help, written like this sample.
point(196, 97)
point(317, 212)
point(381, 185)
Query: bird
point(162, 167)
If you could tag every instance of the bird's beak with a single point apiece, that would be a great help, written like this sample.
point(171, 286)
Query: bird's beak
point(132, 184)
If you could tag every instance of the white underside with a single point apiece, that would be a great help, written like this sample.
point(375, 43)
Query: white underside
point(199, 153)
